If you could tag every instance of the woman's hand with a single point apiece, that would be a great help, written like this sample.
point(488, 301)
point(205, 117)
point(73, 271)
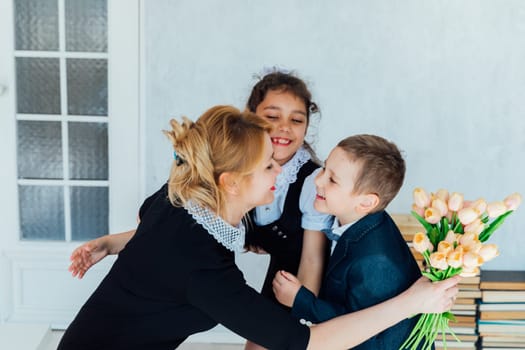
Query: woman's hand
point(432, 297)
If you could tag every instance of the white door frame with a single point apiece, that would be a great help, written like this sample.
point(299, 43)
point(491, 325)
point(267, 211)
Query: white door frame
point(26, 266)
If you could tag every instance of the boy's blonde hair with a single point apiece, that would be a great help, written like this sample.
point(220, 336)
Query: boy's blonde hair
point(382, 166)
point(222, 140)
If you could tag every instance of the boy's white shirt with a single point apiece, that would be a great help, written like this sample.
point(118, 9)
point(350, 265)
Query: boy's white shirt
point(311, 218)
point(338, 230)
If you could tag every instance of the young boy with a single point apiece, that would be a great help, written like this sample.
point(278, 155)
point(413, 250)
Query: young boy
point(370, 261)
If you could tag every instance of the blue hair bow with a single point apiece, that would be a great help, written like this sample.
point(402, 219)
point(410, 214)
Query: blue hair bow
point(178, 159)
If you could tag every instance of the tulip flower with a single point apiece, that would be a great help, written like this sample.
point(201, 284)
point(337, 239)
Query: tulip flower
point(455, 258)
point(418, 210)
point(442, 194)
point(473, 247)
point(476, 226)
point(513, 201)
point(441, 206)
point(480, 205)
point(451, 237)
point(432, 215)
point(488, 252)
point(467, 238)
point(444, 247)
point(438, 260)
point(470, 242)
point(469, 271)
point(468, 215)
point(496, 209)
point(421, 242)
point(471, 259)
point(455, 202)
point(421, 198)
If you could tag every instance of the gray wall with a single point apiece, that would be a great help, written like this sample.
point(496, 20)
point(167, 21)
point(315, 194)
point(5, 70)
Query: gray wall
point(445, 80)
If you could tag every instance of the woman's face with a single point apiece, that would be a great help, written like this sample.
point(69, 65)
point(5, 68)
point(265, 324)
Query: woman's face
point(287, 113)
point(259, 186)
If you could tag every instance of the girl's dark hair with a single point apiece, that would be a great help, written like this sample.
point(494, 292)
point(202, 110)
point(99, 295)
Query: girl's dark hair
point(284, 82)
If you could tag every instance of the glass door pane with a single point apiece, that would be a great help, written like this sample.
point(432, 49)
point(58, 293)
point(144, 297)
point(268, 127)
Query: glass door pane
point(36, 25)
point(62, 118)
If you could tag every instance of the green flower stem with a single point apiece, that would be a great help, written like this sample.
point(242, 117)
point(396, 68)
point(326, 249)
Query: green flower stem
point(408, 342)
point(423, 222)
point(485, 235)
point(444, 228)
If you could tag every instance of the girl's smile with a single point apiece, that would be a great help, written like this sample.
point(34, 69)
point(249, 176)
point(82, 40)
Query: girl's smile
point(279, 141)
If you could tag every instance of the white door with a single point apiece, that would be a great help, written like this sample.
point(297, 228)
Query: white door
point(69, 127)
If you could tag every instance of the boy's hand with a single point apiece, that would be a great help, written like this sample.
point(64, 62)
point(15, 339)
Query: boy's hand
point(285, 287)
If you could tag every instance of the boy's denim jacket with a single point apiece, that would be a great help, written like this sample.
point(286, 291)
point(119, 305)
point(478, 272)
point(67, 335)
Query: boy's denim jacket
point(370, 264)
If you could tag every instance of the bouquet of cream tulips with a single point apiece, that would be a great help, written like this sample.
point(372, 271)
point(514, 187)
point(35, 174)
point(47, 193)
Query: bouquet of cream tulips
point(454, 243)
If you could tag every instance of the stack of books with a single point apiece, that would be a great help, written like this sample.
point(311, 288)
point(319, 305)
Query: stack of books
point(465, 307)
point(466, 342)
point(502, 310)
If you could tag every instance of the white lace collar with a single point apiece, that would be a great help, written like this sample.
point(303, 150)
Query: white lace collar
point(232, 238)
point(290, 169)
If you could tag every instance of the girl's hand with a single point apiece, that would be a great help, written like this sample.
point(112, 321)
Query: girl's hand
point(87, 255)
point(285, 286)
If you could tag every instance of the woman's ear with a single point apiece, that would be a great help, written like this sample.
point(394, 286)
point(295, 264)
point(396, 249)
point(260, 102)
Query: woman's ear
point(229, 182)
point(368, 203)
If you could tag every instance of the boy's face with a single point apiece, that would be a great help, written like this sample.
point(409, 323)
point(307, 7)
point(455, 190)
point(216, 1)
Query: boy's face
point(335, 186)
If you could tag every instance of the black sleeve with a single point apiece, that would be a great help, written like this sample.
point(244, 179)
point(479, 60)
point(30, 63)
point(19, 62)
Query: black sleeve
point(148, 201)
point(224, 296)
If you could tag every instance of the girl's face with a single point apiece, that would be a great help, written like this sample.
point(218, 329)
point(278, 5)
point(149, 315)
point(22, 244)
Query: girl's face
point(259, 186)
point(335, 188)
point(287, 113)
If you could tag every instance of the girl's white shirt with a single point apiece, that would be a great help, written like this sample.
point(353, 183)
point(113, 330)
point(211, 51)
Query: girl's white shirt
point(311, 218)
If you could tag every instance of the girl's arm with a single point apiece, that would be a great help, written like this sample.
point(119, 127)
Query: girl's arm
point(116, 242)
point(90, 253)
point(314, 242)
point(352, 329)
point(312, 260)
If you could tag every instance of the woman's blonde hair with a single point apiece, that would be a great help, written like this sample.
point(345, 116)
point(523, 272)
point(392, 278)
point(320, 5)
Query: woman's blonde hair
point(222, 140)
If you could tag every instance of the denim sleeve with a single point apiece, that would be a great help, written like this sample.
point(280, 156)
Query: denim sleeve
point(312, 219)
point(306, 306)
point(381, 278)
